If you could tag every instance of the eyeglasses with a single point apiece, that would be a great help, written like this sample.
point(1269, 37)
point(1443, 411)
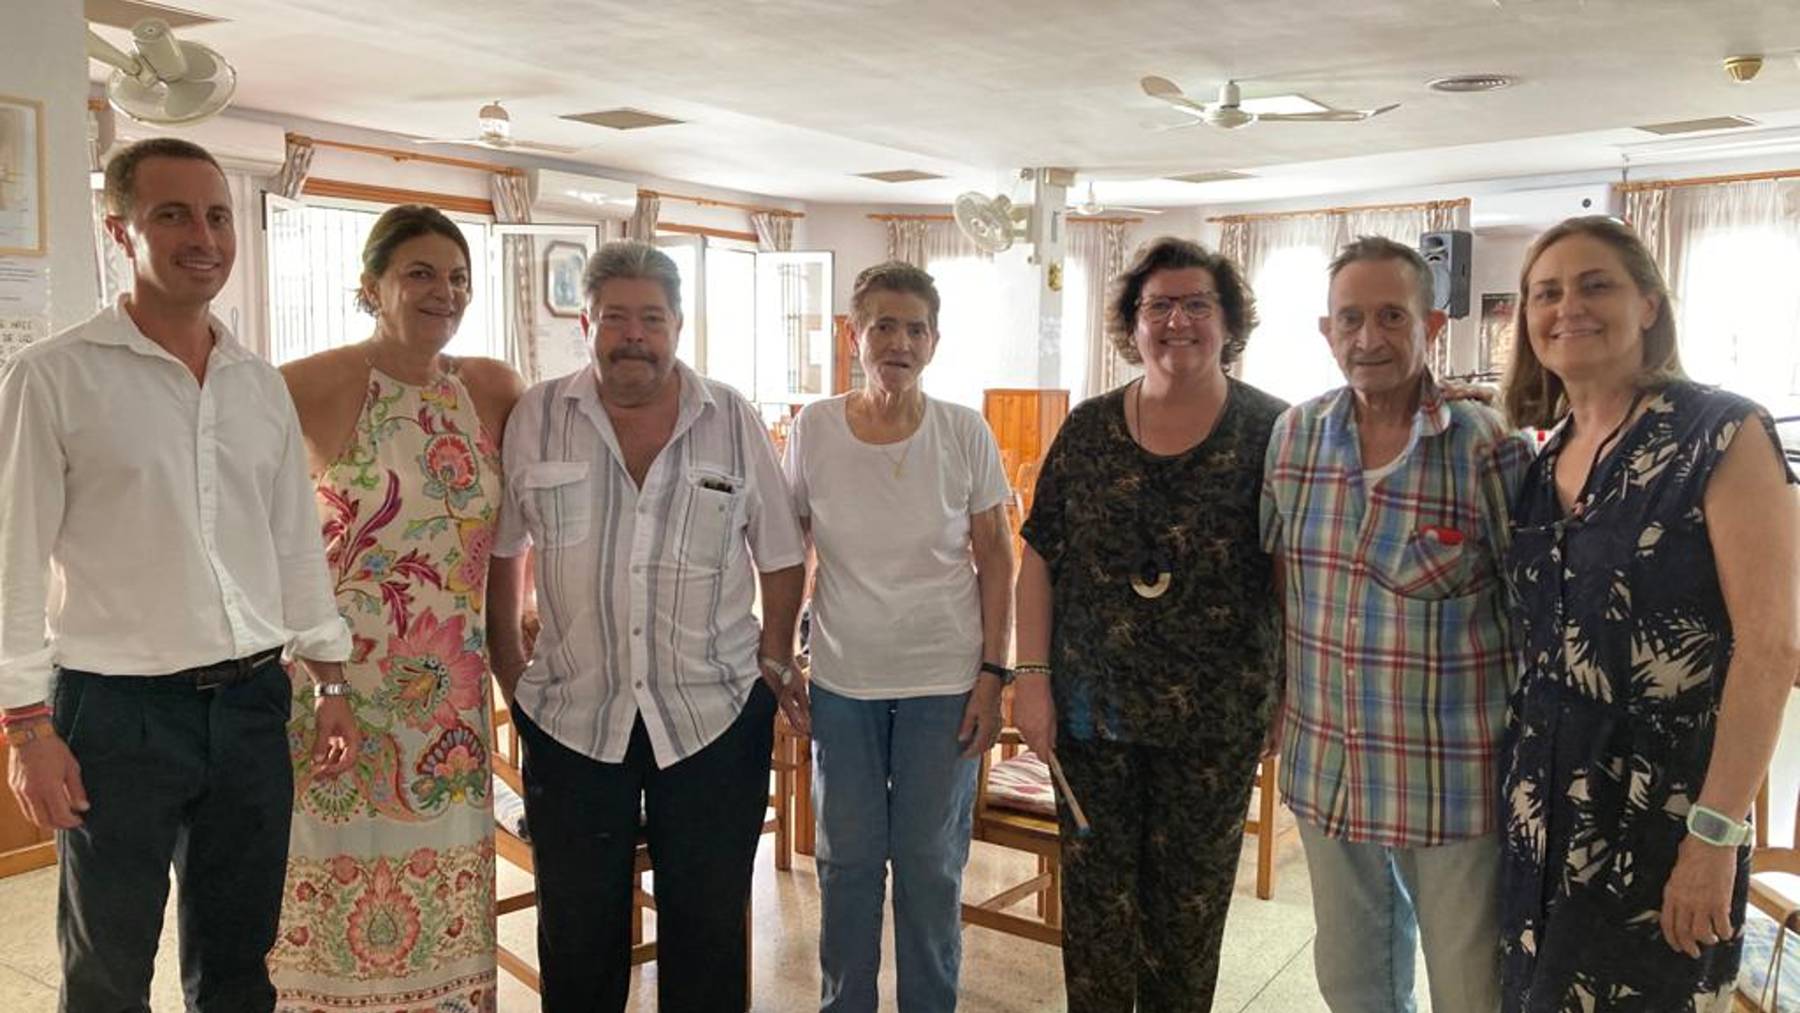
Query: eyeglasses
point(1194, 307)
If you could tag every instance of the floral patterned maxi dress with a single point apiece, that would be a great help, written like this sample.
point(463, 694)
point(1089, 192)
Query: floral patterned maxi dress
point(389, 904)
point(1626, 646)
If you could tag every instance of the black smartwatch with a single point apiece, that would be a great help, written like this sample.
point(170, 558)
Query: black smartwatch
point(1005, 674)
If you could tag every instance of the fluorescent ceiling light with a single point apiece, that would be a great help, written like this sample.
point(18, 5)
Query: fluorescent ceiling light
point(1738, 142)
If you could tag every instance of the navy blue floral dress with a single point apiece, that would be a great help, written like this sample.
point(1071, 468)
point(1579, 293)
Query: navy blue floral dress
point(1626, 642)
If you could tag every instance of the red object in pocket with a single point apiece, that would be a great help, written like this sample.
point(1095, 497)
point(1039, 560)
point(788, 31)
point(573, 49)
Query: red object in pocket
point(1444, 535)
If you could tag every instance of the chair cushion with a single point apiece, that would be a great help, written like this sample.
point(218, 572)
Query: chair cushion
point(1022, 783)
point(509, 810)
point(1753, 972)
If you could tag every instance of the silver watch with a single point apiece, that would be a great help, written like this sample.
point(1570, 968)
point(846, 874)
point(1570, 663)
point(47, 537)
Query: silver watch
point(1716, 828)
point(325, 689)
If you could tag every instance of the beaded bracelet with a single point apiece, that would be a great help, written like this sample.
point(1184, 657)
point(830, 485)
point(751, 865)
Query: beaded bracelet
point(1032, 668)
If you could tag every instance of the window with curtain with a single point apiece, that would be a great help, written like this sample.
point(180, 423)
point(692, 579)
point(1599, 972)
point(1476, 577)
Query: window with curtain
point(966, 359)
point(315, 268)
point(1730, 252)
point(1285, 258)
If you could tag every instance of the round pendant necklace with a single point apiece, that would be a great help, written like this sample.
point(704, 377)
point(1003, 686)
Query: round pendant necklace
point(1151, 577)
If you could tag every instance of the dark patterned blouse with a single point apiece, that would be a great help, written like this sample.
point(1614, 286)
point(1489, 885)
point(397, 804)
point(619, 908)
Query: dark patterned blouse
point(1199, 663)
point(1626, 643)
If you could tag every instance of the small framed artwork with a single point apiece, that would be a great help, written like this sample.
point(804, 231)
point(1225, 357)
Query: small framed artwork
point(22, 210)
point(1498, 310)
point(562, 278)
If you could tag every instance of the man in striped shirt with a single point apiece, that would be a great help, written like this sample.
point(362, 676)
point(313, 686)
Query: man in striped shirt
point(1385, 507)
point(656, 507)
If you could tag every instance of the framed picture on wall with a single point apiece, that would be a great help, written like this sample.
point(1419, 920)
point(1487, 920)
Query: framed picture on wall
point(1497, 312)
point(22, 210)
point(562, 278)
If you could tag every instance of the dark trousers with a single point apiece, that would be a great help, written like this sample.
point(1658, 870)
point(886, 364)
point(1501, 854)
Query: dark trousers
point(174, 774)
point(1145, 895)
point(702, 818)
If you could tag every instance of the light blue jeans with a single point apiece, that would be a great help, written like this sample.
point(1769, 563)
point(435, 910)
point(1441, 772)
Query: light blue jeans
point(1375, 905)
point(890, 785)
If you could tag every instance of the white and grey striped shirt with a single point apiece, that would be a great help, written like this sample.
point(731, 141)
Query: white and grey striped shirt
point(645, 594)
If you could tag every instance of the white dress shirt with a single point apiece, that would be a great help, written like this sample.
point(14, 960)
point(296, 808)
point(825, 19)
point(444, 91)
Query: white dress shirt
point(645, 594)
point(152, 523)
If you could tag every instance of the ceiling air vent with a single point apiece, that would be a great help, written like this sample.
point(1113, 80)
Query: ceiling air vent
point(622, 119)
point(1696, 126)
point(1465, 83)
point(126, 13)
point(899, 176)
point(1219, 176)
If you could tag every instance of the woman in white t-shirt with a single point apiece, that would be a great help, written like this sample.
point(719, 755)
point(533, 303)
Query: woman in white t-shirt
point(903, 498)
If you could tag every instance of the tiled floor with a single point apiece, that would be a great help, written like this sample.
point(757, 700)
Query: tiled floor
point(1266, 964)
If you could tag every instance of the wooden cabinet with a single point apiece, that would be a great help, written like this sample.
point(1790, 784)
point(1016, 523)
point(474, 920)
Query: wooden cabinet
point(23, 847)
point(1025, 422)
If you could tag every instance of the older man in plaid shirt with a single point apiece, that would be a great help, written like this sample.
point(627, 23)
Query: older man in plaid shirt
point(1385, 507)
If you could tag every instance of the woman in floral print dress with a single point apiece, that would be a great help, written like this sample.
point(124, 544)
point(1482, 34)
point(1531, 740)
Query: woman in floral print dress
point(390, 890)
point(1655, 558)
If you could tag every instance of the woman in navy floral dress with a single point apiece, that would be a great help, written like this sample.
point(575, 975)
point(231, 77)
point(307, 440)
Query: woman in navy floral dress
point(1654, 557)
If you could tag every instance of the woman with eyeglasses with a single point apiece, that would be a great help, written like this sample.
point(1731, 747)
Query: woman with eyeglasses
point(1147, 635)
point(1656, 558)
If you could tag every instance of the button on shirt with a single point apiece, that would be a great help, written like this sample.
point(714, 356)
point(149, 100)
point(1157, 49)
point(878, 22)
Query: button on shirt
point(645, 594)
point(153, 523)
point(1398, 645)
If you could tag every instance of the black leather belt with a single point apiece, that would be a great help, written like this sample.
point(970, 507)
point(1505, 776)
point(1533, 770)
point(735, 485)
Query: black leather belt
point(203, 677)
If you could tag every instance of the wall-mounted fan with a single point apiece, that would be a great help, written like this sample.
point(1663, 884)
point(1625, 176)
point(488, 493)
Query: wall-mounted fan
point(496, 133)
point(168, 83)
point(1228, 113)
point(993, 224)
point(1091, 207)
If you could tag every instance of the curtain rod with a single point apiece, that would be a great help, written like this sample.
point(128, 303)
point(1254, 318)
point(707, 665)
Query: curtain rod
point(1742, 177)
point(1428, 205)
point(715, 203)
point(946, 218)
point(402, 155)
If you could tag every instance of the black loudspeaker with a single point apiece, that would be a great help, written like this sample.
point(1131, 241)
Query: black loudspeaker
point(1448, 254)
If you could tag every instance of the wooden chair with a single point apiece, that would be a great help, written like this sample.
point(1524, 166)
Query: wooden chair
point(1262, 826)
point(1778, 900)
point(513, 847)
point(792, 765)
point(1010, 823)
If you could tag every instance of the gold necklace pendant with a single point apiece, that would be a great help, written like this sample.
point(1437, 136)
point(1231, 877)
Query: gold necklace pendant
point(1152, 590)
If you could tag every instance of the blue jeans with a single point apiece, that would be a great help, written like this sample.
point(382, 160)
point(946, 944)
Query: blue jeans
point(890, 785)
point(1375, 905)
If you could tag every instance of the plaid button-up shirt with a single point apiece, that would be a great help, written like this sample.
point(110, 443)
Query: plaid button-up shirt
point(1398, 645)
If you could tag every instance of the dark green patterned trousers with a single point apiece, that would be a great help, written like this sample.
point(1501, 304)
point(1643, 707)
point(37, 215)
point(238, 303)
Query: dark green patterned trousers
point(1145, 895)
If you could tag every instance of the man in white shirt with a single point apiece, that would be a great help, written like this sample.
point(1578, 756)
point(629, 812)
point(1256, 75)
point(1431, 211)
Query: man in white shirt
point(159, 550)
point(650, 494)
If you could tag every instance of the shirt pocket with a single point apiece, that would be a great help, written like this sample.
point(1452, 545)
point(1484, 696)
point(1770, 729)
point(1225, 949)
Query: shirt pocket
point(715, 504)
point(1432, 562)
point(558, 499)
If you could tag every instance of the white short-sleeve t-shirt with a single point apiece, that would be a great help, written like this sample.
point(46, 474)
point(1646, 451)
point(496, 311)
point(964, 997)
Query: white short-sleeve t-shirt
point(896, 611)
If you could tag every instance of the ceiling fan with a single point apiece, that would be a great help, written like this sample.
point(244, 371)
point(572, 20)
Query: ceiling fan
point(1091, 207)
point(1228, 113)
point(496, 133)
point(166, 81)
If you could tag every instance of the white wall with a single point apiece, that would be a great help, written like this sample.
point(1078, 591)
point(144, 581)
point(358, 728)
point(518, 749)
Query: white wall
point(42, 58)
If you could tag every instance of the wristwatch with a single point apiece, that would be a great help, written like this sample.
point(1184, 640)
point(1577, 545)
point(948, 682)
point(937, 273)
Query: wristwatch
point(325, 689)
point(1716, 828)
point(21, 732)
point(1005, 674)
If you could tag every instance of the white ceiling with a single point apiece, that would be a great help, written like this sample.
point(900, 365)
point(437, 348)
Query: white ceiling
point(791, 97)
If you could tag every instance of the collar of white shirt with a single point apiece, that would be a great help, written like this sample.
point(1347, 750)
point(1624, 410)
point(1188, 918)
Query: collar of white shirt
point(114, 326)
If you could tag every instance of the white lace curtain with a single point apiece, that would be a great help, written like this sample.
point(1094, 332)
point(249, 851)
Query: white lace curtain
point(511, 193)
point(1730, 253)
point(642, 226)
point(1096, 256)
point(1284, 257)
